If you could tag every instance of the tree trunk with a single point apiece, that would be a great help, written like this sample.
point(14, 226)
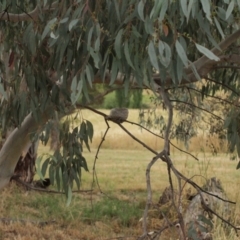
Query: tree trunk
point(18, 143)
point(25, 169)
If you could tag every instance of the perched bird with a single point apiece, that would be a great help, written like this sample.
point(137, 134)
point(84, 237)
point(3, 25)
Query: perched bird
point(118, 115)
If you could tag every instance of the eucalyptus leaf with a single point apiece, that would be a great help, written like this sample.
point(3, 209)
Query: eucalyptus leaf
point(152, 55)
point(207, 52)
point(118, 44)
point(181, 53)
point(230, 9)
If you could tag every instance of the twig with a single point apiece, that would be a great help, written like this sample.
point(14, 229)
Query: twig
point(222, 84)
point(168, 104)
point(136, 139)
point(215, 97)
point(203, 109)
point(208, 209)
point(181, 150)
point(149, 193)
point(96, 157)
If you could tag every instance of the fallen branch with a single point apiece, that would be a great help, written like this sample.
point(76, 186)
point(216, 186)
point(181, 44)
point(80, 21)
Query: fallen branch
point(29, 186)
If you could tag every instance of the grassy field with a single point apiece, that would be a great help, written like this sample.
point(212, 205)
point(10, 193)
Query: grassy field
point(113, 209)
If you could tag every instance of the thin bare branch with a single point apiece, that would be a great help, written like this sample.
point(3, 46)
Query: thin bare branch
point(29, 186)
point(203, 109)
point(179, 149)
point(222, 84)
point(96, 157)
point(215, 97)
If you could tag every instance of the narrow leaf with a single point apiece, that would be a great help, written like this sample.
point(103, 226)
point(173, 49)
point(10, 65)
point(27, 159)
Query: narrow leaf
point(48, 27)
point(230, 9)
point(184, 7)
point(127, 54)
point(164, 8)
point(89, 73)
point(72, 24)
point(206, 8)
point(219, 27)
point(153, 56)
point(118, 44)
point(90, 130)
point(45, 166)
point(114, 71)
point(207, 52)
point(181, 53)
point(69, 195)
point(141, 10)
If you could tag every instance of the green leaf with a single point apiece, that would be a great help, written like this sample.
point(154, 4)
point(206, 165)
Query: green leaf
point(64, 20)
point(179, 69)
point(118, 44)
point(127, 54)
point(90, 75)
point(96, 57)
point(190, 8)
point(90, 130)
point(51, 173)
point(163, 11)
point(69, 195)
point(141, 9)
point(207, 52)
point(38, 163)
point(219, 27)
point(184, 7)
point(73, 89)
point(148, 24)
point(45, 166)
point(153, 56)
point(156, 8)
point(206, 8)
point(117, 10)
point(84, 164)
point(89, 41)
point(97, 44)
point(59, 177)
point(165, 53)
point(52, 35)
point(195, 71)
point(72, 24)
point(114, 71)
point(181, 53)
point(230, 9)
point(48, 27)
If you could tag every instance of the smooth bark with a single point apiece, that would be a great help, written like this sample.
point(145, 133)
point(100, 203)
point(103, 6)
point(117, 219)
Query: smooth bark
point(17, 145)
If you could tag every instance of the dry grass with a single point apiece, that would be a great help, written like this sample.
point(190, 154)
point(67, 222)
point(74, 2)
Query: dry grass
point(120, 168)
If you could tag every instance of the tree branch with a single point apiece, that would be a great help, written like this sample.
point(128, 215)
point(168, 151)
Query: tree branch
point(33, 15)
point(203, 109)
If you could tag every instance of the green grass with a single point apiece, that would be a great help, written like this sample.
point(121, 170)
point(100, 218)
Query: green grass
point(110, 209)
point(116, 209)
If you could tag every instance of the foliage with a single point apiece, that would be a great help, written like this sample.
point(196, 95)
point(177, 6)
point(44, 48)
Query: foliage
point(53, 52)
